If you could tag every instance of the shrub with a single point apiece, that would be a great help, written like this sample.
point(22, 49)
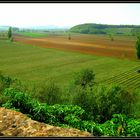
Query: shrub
point(120, 125)
point(5, 82)
point(84, 99)
point(26, 105)
point(136, 104)
point(85, 78)
point(70, 115)
point(50, 94)
point(113, 100)
point(133, 127)
point(61, 111)
point(104, 101)
point(3, 100)
point(89, 126)
point(17, 99)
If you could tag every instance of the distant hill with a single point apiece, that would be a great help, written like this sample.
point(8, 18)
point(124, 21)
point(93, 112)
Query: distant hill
point(92, 28)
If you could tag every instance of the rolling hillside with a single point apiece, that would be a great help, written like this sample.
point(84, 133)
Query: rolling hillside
point(91, 28)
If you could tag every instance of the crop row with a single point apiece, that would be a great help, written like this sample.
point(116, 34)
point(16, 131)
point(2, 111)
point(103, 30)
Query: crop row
point(129, 79)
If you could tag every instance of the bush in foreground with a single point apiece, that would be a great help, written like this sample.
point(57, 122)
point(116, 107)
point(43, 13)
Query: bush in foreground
point(49, 93)
point(104, 101)
point(70, 115)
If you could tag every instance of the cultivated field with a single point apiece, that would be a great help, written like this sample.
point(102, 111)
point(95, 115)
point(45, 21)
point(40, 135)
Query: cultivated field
point(34, 61)
point(33, 34)
point(121, 47)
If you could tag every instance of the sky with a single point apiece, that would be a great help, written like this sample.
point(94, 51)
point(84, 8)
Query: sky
point(68, 14)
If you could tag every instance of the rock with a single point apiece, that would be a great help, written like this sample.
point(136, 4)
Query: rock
point(13, 123)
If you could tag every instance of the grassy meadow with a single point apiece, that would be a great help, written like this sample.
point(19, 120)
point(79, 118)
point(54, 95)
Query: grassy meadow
point(32, 34)
point(33, 64)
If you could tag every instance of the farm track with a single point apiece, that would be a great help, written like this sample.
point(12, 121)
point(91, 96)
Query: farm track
point(96, 45)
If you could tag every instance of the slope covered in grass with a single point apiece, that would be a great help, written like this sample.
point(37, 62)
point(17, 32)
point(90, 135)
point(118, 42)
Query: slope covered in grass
point(34, 64)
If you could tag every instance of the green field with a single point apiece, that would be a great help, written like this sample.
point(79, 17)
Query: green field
point(32, 34)
point(33, 64)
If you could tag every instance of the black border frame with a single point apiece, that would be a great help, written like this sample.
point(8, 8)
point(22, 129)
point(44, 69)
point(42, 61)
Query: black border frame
point(69, 1)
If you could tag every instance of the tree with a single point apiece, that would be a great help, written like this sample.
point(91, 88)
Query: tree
point(85, 78)
point(69, 37)
point(111, 37)
point(10, 32)
point(138, 47)
point(105, 100)
point(50, 93)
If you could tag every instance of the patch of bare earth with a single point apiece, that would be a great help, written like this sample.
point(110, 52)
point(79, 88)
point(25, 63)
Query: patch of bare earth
point(13, 123)
point(101, 46)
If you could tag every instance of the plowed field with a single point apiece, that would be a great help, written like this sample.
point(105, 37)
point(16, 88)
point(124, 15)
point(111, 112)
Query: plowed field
point(121, 47)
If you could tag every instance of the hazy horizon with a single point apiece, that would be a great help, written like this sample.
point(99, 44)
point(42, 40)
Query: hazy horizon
point(68, 15)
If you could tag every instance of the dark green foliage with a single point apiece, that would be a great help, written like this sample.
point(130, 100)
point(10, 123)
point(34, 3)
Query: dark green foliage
point(3, 100)
point(25, 103)
point(120, 125)
point(111, 106)
point(138, 47)
point(10, 32)
point(136, 105)
point(70, 115)
point(63, 110)
point(133, 127)
point(104, 101)
point(50, 94)
point(85, 78)
point(56, 114)
point(91, 28)
point(89, 126)
point(17, 99)
point(5, 82)
point(83, 98)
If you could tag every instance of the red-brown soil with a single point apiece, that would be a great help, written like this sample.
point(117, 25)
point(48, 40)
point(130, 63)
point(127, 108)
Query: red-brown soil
point(121, 47)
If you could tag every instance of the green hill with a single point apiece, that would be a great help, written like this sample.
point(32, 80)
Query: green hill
point(91, 28)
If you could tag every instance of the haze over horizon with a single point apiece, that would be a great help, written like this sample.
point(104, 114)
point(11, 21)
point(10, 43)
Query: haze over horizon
point(68, 15)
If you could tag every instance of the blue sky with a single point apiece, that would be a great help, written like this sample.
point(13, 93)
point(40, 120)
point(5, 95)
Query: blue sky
point(37, 14)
